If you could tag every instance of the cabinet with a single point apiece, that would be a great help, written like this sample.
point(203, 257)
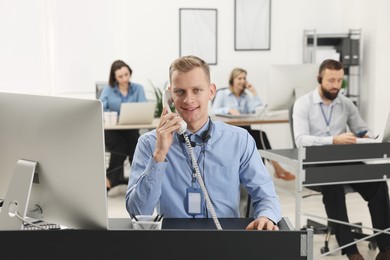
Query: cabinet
point(344, 47)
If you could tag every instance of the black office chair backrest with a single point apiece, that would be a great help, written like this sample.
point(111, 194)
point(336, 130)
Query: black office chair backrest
point(246, 209)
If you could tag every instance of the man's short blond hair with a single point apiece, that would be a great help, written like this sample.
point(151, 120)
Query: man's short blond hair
point(188, 63)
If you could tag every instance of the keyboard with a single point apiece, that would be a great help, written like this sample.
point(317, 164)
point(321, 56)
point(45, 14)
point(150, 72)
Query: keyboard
point(42, 224)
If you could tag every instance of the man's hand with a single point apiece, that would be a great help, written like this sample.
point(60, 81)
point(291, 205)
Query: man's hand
point(251, 88)
point(169, 123)
point(234, 112)
point(262, 223)
point(346, 138)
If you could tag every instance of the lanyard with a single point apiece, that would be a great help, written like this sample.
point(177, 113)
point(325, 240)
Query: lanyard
point(189, 161)
point(327, 120)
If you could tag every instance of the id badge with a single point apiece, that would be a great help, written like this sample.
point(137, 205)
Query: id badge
point(194, 201)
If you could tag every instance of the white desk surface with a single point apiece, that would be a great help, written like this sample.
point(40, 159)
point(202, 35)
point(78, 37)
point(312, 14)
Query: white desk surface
point(153, 125)
point(277, 119)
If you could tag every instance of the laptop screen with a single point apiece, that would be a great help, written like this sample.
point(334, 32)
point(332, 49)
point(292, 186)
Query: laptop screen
point(137, 113)
point(386, 131)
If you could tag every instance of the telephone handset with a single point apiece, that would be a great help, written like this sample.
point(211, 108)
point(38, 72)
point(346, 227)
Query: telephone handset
point(167, 101)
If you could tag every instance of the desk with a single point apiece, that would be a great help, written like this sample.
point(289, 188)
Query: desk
point(336, 172)
point(243, 121)
point(173, 242)
point(153, 125)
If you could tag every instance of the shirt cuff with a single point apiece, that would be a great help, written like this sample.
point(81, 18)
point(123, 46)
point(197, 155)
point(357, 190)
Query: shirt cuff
point(328, 140)
point(225, 110)
point(270, 215)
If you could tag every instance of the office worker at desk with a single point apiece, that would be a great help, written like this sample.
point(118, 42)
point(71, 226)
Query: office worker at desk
point(120, 143)
point(162, 172)
point(235, 101)
point(321, 117)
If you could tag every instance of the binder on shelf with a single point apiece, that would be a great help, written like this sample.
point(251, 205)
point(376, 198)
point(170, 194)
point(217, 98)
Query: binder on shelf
point(354, 52)
point(346, 51)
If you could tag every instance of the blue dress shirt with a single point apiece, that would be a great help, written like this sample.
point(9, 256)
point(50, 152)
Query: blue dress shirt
point(112, 98)
point(226, 100)
point(230, 157)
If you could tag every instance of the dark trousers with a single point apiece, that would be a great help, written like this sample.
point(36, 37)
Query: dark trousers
point(120, 144)
point(260, 137)
point(262, 142)
point(377, 196)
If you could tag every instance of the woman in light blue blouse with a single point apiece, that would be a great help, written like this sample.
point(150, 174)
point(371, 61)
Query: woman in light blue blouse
point(120, 143)
point(235, 100)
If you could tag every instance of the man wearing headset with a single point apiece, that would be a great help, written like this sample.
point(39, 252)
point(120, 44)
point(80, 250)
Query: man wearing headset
point(162, 173)
point(321, 117)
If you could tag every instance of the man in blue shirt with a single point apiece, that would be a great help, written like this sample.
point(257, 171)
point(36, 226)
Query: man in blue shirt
point(162, 172)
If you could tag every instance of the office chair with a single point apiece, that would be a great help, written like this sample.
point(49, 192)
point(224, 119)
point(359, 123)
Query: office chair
point(245, 203)
point(99, 85)
point(320, 228)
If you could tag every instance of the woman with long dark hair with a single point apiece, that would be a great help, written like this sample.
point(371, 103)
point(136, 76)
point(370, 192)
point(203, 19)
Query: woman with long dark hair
point(120, 143)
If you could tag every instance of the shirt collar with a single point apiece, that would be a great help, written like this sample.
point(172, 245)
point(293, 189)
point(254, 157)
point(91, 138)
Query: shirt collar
point(116, 88)
point(232, 94)
point(198, 134)
point(318, 100)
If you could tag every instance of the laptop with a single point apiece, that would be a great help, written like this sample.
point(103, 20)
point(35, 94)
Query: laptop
point(385, 136)
point(135, 113)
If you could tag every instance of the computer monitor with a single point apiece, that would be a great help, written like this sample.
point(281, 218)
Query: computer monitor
point(288, 81)
point(60, 143)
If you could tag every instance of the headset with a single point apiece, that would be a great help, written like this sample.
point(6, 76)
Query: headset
point(231, 82)
point(319, 79)
point(206, 135)
point(328, 63)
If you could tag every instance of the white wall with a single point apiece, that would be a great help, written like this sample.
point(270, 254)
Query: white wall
point(23, 56)
point(62, 47)
point(375, 89)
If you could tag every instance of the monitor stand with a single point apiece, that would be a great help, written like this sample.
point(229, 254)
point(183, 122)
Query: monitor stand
point(18, 196)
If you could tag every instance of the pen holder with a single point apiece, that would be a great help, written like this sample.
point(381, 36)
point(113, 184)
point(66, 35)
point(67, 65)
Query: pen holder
point(146, 222)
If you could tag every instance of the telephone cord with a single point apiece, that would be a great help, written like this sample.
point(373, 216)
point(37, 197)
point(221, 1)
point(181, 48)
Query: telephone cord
point(201, 183)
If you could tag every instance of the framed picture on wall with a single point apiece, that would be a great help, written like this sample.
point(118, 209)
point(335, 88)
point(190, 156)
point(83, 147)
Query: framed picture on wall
point(252, 25)
point(198, 33)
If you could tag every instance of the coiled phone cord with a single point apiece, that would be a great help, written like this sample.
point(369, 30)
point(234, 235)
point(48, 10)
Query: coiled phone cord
point(201, 183)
